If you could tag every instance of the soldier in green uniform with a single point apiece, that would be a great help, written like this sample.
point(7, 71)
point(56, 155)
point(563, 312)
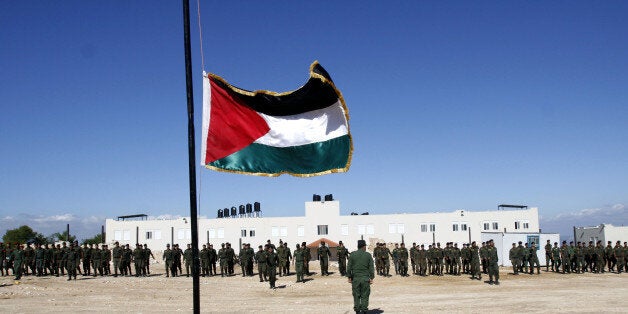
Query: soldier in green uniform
point(288, 258)
point(619, 255)
point(565, 258)
point(213, 258)
point(39, 260)
point(421, 260)
point(439, 254)
point(395, 256)
point(298, 263)
point(342, 254)
point(63, 265)
point(116, 252)
point(73, 255)
point(167, 258)
point(385, 255)
point(177, 253)
point(222, 257)
point(242, 259)
point(402, 255)
point(230, 255)
point(475, 261)
point(147, 255)
point(556, 258)
point(512, 255)
point(323, 254)
point(361, 273)
point(525, 259)
point(484, 257)
point(96, 255)
point(56, 259)
point(138, 259)
point(272, 260)
point(204, 256)
point(609, 259)
point(127, 257)
point(307, 256)
point(260, 260)
point(493, 266)
point(465, 254)
point(534, 259)
point(106, 260)
point(187, 259)
point(580, 261)
point(17, 257)
point(430, 260)
point(281, 255)
point(599, 253)
point(548, 255)
point(412, 253)
point(29, 260)
point(447, 258)
point(455, 259)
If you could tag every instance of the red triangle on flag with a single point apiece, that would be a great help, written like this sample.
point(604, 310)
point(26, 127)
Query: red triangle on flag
point(232, 125)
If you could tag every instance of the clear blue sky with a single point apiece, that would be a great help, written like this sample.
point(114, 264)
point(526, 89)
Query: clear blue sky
point(453, 105)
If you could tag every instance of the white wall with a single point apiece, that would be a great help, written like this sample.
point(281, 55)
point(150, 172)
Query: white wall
point(373, 228)
point(503, 243)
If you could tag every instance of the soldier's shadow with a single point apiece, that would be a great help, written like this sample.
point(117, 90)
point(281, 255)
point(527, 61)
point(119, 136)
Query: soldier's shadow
point(281, 287)
point(375, 311)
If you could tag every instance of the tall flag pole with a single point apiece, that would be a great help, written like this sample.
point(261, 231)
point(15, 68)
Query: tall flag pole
point(192, 162)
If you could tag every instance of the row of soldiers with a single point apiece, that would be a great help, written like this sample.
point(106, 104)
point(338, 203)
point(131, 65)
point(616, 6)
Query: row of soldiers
point(435, 260)
point(581, 258)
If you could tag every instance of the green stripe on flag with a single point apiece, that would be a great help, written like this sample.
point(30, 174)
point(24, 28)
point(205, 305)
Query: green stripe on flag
point(305, 160)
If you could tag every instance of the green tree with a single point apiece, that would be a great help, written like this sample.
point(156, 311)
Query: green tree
point(63, 236)
point(97, 239)
point(22, 234)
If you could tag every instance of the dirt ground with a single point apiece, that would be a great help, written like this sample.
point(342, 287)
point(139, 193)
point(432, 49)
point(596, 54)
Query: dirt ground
point(547, 292)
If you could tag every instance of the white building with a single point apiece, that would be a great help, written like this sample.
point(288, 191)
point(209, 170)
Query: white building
point(603, 232)
point(323, 220)
point(503, 243)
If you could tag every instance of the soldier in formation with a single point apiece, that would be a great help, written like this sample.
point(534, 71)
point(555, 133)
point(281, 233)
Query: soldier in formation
point(323, 254)
point(361, 274)
point(342, 254)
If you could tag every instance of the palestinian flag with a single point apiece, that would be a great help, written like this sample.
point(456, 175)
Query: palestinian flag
point(303, 132)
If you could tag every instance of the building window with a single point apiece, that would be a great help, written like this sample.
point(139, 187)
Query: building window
point(149, 235)
point(184, 234)
point(117, 235)
point(221, 233)
point(423, 228)
point(243, 233)
point(370, 229)
point(495, 226)
point(463, 227)
point(486, 226)
point(517, 225)
point(392, 228)
point(127, 235)
point(274, 231)
point(344, 230)
point(454, 227)
point(212, 233)
point(526, 225)
point(252, 232)
point(432, 227)
point(361, 229)
point(322, 229)
point(283, 231)
point(301, 231)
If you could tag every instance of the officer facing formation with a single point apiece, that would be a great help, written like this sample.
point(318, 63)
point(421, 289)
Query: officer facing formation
point(361, 273)
point(323, 257)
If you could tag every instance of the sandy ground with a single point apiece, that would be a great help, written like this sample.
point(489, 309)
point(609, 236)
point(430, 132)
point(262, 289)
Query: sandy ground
point(547, 292)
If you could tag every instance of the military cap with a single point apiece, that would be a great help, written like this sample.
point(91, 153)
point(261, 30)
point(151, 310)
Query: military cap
point(361, 243)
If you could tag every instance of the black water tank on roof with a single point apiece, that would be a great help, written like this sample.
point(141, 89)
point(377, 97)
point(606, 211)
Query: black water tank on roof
point(225, 212)
point(257, 207)
point(316, 198)
point(249, 208)
point(241, 210)
point(219, 214)
point(234, 211)
point(329, 197)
